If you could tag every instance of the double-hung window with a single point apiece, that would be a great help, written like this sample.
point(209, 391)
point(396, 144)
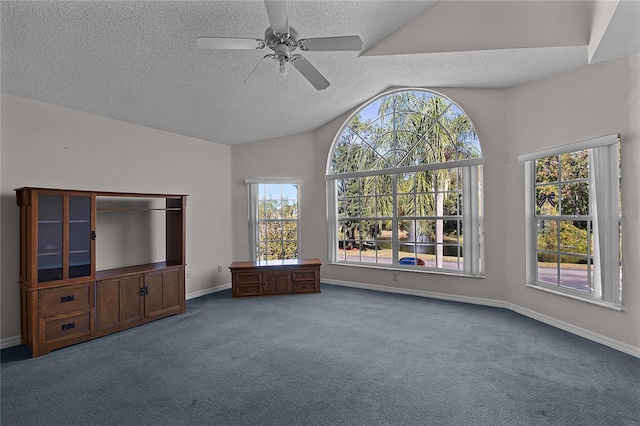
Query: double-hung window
point(573, 219)
point(274, 218)
point(404, 186)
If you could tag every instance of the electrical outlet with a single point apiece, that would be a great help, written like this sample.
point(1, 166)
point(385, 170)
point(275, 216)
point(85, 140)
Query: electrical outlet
point(395, 276)
point(219, 268)
point(189, 274)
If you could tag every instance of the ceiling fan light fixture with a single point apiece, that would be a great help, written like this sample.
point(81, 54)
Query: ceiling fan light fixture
point(283, 68)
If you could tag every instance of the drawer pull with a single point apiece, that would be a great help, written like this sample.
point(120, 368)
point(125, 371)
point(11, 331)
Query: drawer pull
point(68, 326)
point(69, 298)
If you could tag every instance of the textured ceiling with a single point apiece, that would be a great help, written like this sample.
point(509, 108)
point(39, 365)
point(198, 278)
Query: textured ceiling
point(137, 61)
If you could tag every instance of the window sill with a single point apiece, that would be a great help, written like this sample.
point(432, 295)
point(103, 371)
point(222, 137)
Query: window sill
point(608, 305)
point(417, 270)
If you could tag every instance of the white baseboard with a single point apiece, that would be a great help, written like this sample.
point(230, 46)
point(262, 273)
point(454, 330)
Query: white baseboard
point(204, 292)
point(10, 341)
point(595, 337)
point(578, 331)
point(421, 293)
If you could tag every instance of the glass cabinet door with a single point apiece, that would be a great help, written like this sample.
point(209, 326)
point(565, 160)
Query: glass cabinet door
point(50, 237)
point(79, 236)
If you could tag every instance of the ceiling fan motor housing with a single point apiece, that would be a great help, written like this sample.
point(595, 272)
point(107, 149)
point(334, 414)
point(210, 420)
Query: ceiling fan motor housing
point(282, 44)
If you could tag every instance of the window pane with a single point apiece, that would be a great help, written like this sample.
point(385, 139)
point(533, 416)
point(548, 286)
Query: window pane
point(270, 191)
point(451, 229)
point(384, 206)
point(451, 203)
point(548, 268)
point(405, 229)
point(289, 209)
point(425, 205)
point(425, 230)
point(547, 200)
point(425, 181)
point(262, 251)
point(406, 205)
point(574, 236)
point(368, 205)
point(406, 183)
point(547, 235)
point(349, 207)
point(384, 185)
point(290, 230)
point(575, 198)
point(274, 231)
point(574, 272)
point(575, 165)
point(290, 191)
point(262, 231)
point(406, 250)
point(269, 209)
point(369, 229)
point(275, 250)
point(547, 169)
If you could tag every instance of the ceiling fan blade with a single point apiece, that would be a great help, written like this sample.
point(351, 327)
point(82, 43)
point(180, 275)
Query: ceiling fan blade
point(278, 15)
point(229, 43)
point(351, 43)
point(309, 72)
point(260, 71)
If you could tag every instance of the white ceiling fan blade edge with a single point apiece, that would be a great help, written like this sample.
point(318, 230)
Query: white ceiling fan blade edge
point(310, 72)
point(343, 43)
point(229, 43)
point(278, 15)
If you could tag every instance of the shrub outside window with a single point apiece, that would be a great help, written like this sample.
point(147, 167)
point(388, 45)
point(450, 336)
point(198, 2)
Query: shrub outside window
point(404, 186)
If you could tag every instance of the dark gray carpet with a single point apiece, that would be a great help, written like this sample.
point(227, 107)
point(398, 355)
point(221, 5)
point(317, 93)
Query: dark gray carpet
point(342, 357)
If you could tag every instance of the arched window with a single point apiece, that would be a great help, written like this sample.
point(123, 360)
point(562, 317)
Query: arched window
point(404, 186)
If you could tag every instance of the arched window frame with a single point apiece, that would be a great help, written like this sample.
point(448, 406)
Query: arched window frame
point(470, 243)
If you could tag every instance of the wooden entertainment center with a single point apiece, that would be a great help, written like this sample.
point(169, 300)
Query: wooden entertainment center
point(275, 277)
point(63, 299)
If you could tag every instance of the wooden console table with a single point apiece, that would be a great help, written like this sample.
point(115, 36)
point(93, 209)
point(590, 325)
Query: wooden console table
point(275, 277)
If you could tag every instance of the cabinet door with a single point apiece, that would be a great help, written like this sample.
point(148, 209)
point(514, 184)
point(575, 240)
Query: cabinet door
point(65, 237)
point(50, 237)
point(164, 292)
point(80, 236)
point(118, 302)
point(276, 282)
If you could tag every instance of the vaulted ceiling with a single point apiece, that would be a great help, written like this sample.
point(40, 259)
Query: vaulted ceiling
point(137, 61)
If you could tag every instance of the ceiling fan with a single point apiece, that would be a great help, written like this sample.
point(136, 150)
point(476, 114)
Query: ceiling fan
point(283, 40)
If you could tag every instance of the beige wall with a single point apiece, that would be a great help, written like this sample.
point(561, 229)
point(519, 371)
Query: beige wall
point(46, 145)
point(594, 101)
point(49, 146)
point(578, 105)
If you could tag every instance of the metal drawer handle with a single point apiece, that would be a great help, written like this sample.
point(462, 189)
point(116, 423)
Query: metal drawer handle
point(68, 326)
point(69, 298)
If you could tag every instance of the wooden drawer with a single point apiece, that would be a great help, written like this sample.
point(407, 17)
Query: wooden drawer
point(248, 290)
point(61, 300)
point(304, 287)
point(247, 278)
point(305, 275)
point(64, 327)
